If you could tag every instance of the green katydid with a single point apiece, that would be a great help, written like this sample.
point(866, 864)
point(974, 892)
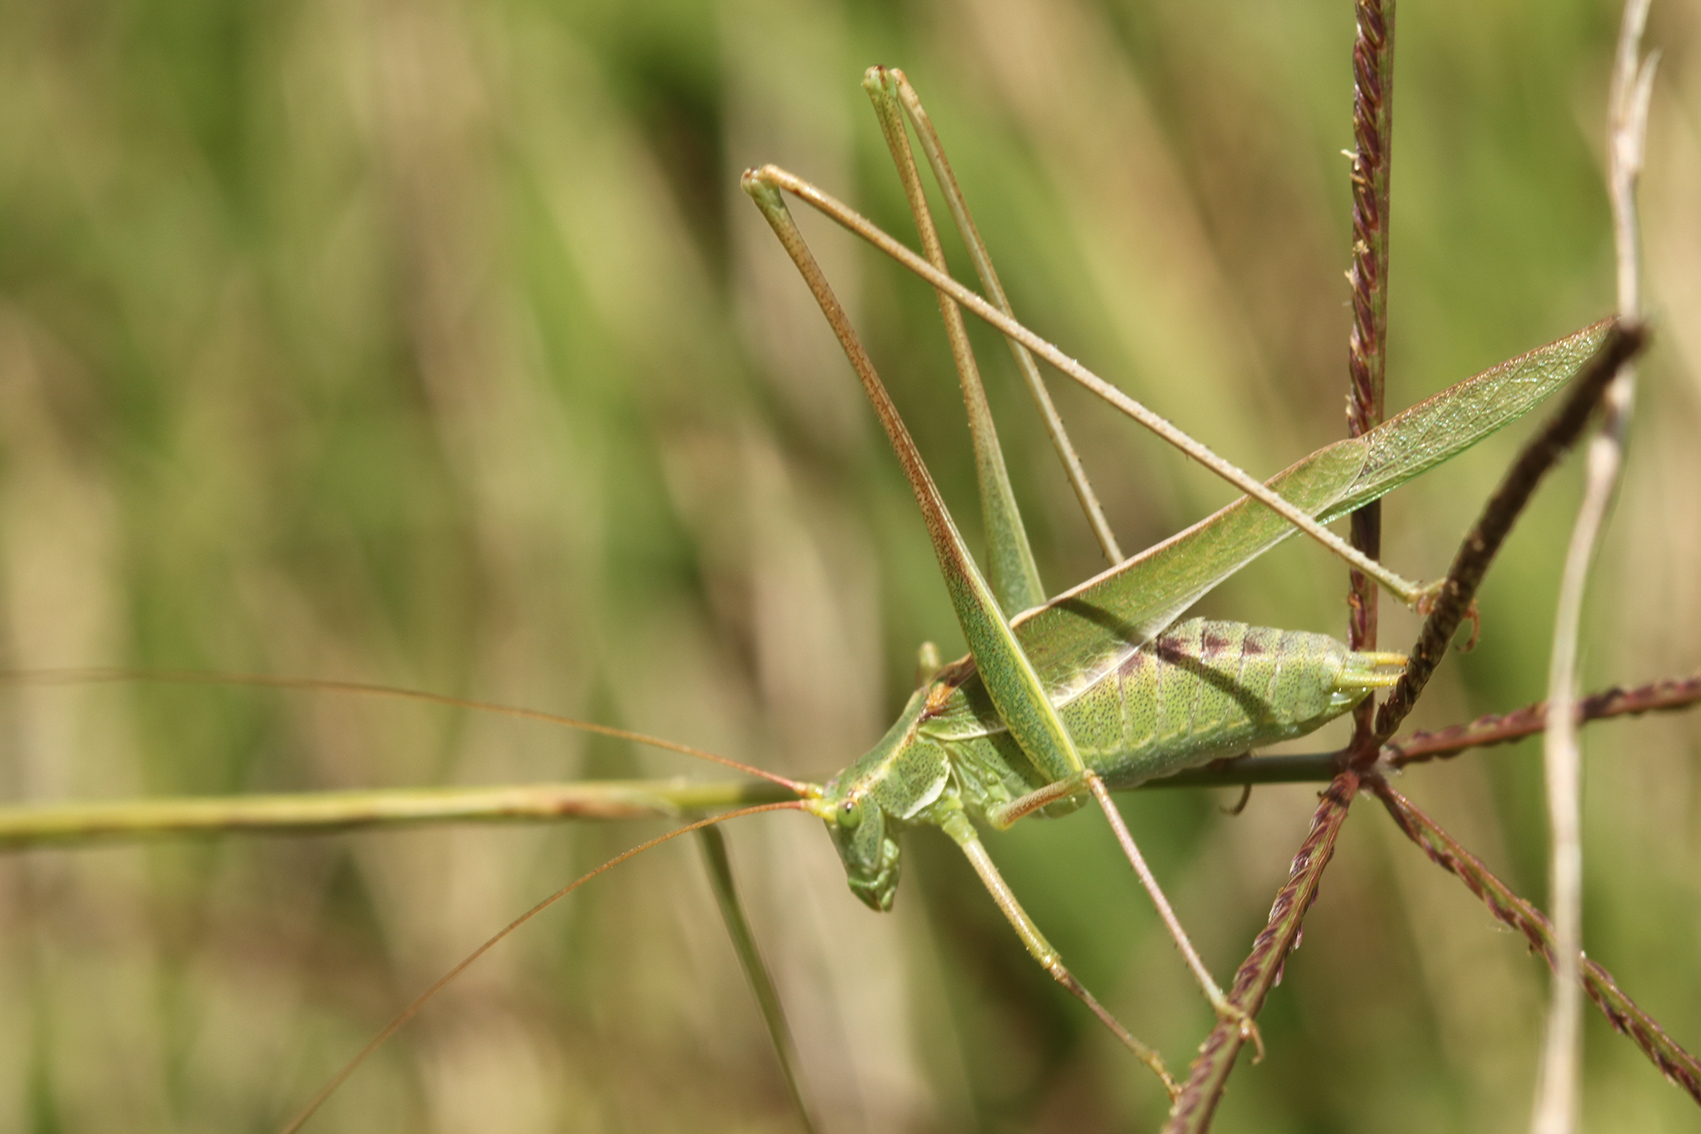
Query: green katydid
point(1099, 687)
point(1088, 690)
point(1070, 629)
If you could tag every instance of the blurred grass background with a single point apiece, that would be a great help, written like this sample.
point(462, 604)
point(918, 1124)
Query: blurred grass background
point(431, 342)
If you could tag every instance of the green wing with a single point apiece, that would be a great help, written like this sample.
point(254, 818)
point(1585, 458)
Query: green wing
point(1086, 632)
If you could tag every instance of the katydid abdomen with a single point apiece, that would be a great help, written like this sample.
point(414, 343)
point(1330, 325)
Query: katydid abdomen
point(1202, 690)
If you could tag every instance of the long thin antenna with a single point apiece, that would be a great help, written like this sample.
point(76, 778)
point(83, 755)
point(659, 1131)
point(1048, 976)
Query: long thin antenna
point(368, 689)
point(419, 1002)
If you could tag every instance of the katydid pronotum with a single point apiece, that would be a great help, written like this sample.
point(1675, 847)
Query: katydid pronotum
point(1552, 366)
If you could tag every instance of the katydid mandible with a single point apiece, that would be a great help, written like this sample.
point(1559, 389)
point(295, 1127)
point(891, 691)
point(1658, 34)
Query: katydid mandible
point(1098, 688)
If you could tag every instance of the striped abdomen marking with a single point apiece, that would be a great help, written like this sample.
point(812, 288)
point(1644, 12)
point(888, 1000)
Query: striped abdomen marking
point(1197, 692)
point(1209, 689)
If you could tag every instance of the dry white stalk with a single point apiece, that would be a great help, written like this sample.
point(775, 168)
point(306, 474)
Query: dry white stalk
point(1557, 1094)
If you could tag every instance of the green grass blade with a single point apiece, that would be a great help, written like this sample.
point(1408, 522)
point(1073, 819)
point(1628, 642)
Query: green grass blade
point(317, 812)
point(715, 857)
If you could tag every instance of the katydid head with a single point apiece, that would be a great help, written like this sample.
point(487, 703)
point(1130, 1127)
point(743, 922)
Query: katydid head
point(868, 804)
point(870, 854)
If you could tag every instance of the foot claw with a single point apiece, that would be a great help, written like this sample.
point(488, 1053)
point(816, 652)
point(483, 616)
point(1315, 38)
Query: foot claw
point(1430, 597)
point(1475, 616)
point(1246, 1026)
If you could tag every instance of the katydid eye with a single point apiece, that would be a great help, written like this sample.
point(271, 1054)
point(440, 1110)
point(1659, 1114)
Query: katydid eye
point(850, 815)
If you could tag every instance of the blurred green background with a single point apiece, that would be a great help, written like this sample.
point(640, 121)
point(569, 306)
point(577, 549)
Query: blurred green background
point(430, 342)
